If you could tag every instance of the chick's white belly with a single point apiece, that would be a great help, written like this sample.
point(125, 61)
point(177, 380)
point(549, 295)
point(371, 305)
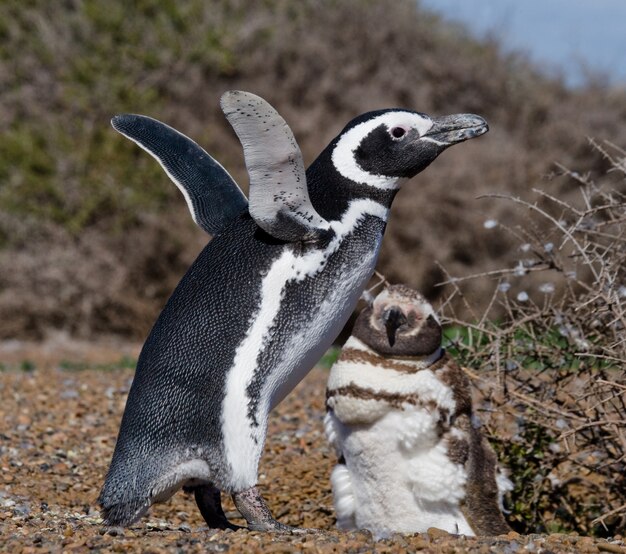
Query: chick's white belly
point(401, 478)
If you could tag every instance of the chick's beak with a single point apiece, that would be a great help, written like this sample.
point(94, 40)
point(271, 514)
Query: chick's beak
point(393, 319)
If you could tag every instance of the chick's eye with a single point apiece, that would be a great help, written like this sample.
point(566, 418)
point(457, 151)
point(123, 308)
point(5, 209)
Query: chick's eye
point(398, 132)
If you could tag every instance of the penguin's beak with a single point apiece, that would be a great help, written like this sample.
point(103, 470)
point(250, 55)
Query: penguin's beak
point(450, 129)
point(393, 319)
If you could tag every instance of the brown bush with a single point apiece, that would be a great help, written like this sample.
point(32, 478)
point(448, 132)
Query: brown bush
point(75, 187)
point(550, 375)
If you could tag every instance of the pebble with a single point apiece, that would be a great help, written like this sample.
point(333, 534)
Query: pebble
point(52, 471)
point(608, 547)
point(435, 533)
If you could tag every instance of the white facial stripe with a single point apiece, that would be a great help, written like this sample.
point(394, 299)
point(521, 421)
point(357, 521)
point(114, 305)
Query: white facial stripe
point(239, 436)
point(343, 154)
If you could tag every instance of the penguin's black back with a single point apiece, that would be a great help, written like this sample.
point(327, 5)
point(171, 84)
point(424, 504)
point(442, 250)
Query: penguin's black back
point(173, 403)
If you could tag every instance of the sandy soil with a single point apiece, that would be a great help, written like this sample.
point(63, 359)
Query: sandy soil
point(59, 425)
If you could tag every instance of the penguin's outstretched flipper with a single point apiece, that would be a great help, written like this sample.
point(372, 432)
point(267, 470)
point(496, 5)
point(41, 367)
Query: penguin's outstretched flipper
point(279, 199)
point(213, 197)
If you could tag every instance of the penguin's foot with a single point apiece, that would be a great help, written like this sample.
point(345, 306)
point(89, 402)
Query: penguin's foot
point(254, 509)
point(209, 502)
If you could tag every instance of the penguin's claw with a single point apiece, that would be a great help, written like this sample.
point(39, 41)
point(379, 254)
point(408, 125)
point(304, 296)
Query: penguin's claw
point(271, 526)
point(253, 508)
point(275, 526)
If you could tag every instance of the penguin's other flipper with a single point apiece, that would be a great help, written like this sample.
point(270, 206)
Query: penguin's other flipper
point(279, 199)
point(209, 502)
point(213, 197)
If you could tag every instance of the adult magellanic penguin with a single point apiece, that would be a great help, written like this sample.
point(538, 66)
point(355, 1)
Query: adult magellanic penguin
point(263, 300)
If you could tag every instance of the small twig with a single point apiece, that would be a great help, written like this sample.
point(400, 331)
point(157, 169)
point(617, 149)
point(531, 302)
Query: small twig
point(470, 326)
point(590, 424)
point(603, 517)
point(541, 407)
point(458, 291)
point(551, 219)
point(611, 383)
point(471, 374)
point(493, 273)
point(601, 356)
point(557, 201)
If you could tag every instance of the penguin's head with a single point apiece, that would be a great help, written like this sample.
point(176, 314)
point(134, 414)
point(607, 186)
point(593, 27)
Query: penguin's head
point(400, 322)
point(383, 147)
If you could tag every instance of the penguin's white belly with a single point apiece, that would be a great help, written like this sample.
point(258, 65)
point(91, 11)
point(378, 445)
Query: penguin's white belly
point(311, 342)
point(336, 295)
point(401, 478)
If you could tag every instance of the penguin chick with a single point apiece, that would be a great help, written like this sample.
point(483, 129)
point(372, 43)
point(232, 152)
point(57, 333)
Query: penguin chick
point(411, 453)
point(264, 299)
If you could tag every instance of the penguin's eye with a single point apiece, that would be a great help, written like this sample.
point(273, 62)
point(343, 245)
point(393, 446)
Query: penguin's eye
point(398, 132)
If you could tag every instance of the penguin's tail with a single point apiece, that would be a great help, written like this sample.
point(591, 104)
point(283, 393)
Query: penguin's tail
point(126, 494)
point(121, 511)
point(133, 485)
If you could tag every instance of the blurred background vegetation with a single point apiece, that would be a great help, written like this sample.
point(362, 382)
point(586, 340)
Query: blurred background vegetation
point(93, 236)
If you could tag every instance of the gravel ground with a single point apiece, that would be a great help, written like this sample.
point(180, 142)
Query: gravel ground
point(57, 437)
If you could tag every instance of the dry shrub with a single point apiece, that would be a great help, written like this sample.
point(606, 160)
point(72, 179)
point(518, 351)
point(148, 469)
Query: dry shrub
point(96, 283)
point(550, 375)
point(65, 175)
